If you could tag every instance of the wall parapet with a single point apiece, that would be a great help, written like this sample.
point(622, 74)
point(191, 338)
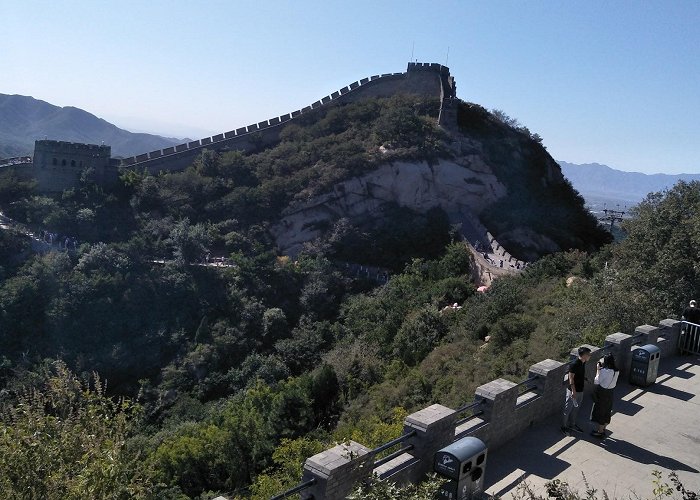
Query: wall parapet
point(501, 411)
point(230, 140)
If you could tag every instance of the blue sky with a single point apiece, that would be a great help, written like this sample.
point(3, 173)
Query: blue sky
point(601, 81)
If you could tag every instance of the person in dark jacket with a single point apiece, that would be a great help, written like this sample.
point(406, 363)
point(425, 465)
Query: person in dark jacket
point(691, 313)
point(605, 381)
point(576, 379)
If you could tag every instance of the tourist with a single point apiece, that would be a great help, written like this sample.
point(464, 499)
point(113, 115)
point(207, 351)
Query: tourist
point(605, 381)
point(691, 314)
point(574, 393)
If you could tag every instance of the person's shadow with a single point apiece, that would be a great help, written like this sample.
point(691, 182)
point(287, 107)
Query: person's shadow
point(642, 455)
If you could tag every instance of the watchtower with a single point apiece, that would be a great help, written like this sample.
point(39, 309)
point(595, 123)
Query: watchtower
point(58, 165)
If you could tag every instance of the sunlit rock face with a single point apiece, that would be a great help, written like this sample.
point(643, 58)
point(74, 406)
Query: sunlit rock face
point(461, 189)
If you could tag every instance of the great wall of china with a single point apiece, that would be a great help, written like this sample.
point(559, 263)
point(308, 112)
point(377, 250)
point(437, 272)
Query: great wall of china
point(429, 79)
point(58, 165)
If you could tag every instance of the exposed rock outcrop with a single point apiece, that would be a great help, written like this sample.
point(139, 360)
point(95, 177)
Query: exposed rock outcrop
point(493, 176)
point(461, 190)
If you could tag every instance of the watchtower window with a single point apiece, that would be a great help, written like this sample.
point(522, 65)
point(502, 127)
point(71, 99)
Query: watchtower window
point(72, 163)
point(63, 162)
point(55, 161)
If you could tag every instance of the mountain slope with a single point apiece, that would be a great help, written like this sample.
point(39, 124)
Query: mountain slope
point(24, 119)
point(593, 179)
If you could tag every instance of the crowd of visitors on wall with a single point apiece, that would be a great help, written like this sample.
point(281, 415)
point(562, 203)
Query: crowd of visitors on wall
point(484, 251)
point(16, 160)
point(369, 272)
point(61, 241)
point(217, 261)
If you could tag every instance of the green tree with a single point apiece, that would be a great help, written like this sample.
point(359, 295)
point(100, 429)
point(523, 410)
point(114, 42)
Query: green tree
point(657, 261)
point(68, 440)
point(418, 335)
point(190, 243)
point(12, 188)
point(288, 459)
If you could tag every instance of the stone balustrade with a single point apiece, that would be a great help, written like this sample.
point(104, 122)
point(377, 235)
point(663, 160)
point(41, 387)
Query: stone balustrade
point(502, 410)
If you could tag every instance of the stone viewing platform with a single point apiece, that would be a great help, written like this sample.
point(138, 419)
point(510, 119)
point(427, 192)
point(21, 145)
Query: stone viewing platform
point(653, 428)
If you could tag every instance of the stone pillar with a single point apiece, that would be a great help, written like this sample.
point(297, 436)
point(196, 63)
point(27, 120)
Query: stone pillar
point(550, 384)
point(336, 471)
point(498, 402)
point(669, 336)
point(621, 344)
point(435, 429)
point(650, 334)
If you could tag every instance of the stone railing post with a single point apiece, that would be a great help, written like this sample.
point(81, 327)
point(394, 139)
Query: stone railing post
point(650, 334)
point(669, 336)
point(434, 428)
point(549, 384)
point(498, 403)
point(621, 345)
point(336, 471)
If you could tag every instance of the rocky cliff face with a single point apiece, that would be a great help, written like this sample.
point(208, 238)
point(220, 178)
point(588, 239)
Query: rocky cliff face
point(495, 177)
point(460, 189)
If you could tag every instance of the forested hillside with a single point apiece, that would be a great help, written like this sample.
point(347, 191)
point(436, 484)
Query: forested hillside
point(135, 365)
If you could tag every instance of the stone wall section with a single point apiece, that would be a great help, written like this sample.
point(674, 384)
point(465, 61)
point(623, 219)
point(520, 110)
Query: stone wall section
point(428, 79)
point(502, 411)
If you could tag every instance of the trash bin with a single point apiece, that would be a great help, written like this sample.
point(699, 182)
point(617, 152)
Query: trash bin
point(464, 462)
point(645, 365)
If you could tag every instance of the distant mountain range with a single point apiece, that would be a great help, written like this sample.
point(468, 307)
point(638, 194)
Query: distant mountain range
point(24, 119)
point(593, 180)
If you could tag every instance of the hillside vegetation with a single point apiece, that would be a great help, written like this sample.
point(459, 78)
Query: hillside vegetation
point(225, 378)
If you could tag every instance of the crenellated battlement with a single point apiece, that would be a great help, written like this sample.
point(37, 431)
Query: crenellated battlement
point(429, 79)
point(58, 147)
point(449, 86)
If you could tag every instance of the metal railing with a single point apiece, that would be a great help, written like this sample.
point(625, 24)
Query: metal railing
point(524, 387)
point(391, 444)
point(294, 490)
point(689, 340)
point(372, 453)
point(469, 406)
point(392, 456)
point(527, 384)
